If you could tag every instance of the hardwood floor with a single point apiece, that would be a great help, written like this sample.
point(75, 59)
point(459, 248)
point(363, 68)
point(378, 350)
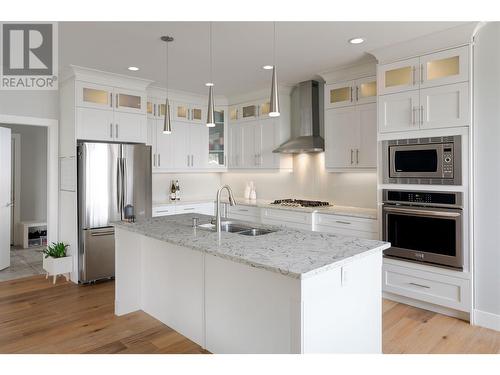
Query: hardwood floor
point(38, 317)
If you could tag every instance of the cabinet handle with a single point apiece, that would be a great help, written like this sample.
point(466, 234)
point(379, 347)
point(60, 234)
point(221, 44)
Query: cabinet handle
point(192, 160)
point(413, 76)
point(242, 210)
point(343, 222)
point(421, 115)
point(351, 154)
point(154, 109)
point(413, 116)
point(159, 161)
point(357, 156)
point(116, 130)
point(421, 73)
point(188, 160)
point(420, 285)
point(154, 160)
point(111, 130)
point(116, 104)
point(351, 94)
point(357, 93)
point(111, 100)
point(189, 209)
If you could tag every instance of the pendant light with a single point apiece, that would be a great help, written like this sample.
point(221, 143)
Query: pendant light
point(167, 125)
point(210, 85)
point(274, 107)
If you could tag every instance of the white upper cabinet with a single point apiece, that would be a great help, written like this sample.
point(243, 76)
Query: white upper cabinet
point(188, 113)
point(427, 92)
point(398, 76)
point(129, 101)
point(444, 67)
point(91, 95)
point(360, 91)
point(445, 106)
point(339, 94)
point(351, 137)
point(265, 142)
point(399, 112)
point(130, 127)
point(94, 124)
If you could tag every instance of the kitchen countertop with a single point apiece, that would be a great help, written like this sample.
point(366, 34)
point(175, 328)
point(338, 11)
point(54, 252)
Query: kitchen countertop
point(295, 253)
point(182, 202)
point(365, 213)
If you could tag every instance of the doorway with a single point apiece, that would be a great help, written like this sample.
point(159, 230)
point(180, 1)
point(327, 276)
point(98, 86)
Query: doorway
point(29, 156)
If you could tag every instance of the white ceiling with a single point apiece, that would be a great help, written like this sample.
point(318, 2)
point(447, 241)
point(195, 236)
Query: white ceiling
point(240, 49)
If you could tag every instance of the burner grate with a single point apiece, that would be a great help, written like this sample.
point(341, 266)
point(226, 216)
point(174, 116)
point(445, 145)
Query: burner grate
point(300, 203)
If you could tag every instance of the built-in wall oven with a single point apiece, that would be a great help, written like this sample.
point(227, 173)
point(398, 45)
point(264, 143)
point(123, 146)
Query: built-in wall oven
point(431, 161)
point(424, 226)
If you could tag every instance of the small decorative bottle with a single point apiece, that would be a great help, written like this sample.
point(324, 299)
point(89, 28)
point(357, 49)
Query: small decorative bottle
point(253, 192)
point(247, 191)
point(172, 191)
point(177, 190)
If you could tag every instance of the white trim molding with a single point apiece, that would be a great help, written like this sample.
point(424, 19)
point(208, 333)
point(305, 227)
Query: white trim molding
point(52, 167)
point(486, 320)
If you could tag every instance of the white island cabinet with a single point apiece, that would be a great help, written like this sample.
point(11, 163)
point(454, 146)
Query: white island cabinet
point(240, 294)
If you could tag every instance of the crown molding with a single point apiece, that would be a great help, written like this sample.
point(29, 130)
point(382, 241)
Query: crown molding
point(284, 90)
point(81, 73)
point(351, 72)
point(184, 96)
point(445, 39)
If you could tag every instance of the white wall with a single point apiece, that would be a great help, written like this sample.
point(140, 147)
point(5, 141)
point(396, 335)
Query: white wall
point(309, 180)
point(43, 104)
point(193, 185)
point(487, 176)
point(33, 171)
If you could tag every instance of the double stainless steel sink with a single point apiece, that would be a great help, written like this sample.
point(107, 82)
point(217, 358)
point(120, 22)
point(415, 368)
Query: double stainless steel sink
point(238, 228)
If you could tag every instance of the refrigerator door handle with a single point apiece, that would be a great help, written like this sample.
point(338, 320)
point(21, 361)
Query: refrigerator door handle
point(124, 182)
point(118, 185)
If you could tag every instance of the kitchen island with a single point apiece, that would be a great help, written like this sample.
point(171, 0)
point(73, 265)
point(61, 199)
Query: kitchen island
point(288, 291)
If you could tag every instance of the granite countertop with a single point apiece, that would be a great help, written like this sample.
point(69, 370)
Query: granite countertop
point(182, 202)
point(295, 253)
point(365, 213)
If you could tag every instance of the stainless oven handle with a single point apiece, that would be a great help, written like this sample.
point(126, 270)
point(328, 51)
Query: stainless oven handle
point(422, 212)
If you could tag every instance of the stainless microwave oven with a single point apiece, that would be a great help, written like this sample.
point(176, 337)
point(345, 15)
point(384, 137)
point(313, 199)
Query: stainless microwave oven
point(428, 161)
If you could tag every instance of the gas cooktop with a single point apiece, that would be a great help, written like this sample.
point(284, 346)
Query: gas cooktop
point(300, 203)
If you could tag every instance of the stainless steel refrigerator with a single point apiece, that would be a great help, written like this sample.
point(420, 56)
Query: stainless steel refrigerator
point(110, 177)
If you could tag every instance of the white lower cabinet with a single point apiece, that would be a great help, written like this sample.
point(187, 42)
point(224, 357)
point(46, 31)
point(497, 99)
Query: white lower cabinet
point(179, 208)
point(346, 226)
point(245, 213)
point(439, 287)
point(287, 218)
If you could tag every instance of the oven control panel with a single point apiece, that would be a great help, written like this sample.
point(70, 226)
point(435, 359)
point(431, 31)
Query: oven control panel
point(423, 198)
point(448, 160)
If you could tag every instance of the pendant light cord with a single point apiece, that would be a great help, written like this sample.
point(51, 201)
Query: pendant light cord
point(167, 71)
point(274, 43)
point(210, 53)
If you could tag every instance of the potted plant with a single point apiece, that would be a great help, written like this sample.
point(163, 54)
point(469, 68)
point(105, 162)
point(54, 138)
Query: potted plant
point(56, 261)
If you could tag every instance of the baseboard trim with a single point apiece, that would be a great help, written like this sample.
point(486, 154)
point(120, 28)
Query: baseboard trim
point(427, 306)
point(486, 320)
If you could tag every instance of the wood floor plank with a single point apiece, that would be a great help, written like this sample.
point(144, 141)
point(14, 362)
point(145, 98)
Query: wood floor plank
point(39, 317)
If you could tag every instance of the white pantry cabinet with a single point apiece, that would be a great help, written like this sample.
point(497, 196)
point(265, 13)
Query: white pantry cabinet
point(351, 137)
point(360, 91)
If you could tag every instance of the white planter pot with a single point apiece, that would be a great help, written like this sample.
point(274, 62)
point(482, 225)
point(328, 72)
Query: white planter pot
point(58, 266)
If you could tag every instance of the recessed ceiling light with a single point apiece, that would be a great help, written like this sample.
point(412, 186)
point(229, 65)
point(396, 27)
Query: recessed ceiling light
point(133, 68)
point(267, 67)
point(357, 40)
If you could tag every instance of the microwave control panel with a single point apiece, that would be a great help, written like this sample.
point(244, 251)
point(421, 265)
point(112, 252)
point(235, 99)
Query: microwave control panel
point(448, 160)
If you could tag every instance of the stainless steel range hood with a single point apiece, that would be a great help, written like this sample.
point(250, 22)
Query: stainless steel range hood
point(307, 120)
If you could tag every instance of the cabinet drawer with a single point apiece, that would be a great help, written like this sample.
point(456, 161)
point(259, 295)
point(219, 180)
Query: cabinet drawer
point(163, 211)
point(202, 208)
point(447, 291)
point(243, 211)
point(288, 216)
point(346, 232)
point(346, 222)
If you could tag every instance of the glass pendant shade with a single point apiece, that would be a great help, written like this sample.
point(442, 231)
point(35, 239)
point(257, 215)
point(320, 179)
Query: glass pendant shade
point(211, 109)
point(167, 125)
point(274, 108)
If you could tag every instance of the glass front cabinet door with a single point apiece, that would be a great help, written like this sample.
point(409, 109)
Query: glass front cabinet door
point(366, 90)
point(94, 96)
point(216, 141)
point(129, 101)
point(339, 95)
point(444, 67)
point(398, 76)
